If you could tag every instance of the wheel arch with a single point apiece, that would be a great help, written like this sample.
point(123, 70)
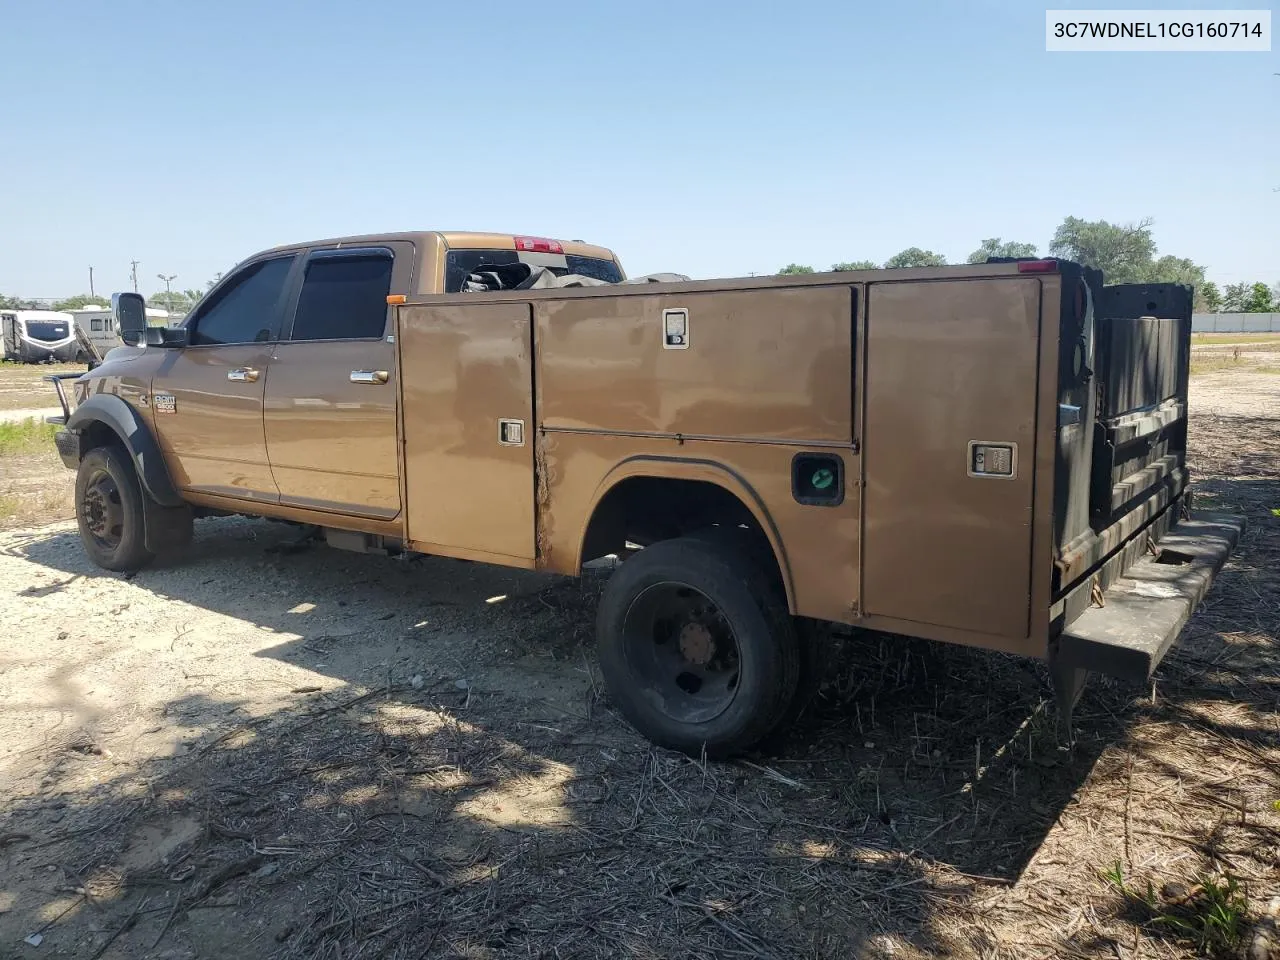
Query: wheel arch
point(105, 411)
point(606, 514)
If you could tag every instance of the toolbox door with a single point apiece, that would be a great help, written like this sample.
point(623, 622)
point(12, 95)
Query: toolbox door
point(949, 452)
point(466, 375)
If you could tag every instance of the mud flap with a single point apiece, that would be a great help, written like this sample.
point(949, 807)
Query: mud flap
point(165, 528)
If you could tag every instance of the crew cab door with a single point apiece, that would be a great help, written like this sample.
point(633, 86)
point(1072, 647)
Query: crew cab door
point(206, 398)
point(330, 405)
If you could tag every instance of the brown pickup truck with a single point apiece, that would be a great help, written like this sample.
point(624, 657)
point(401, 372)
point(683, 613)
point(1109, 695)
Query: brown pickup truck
point(990, 455)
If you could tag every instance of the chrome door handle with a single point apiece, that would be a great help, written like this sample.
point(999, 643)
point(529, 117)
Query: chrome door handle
point(243, 375)
point(369, 376)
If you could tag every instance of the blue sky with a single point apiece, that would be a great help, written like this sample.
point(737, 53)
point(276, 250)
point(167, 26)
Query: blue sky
point(713, 139)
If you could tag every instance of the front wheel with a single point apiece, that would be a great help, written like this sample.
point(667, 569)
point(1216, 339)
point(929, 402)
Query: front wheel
point(109, 511)
point(697, 647)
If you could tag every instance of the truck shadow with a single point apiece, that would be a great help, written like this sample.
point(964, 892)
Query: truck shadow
point(467, 790)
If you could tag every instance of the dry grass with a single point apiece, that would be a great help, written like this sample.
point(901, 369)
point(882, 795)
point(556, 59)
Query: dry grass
point(1244, 359)
point(922, 807)
point(35, 486)
point(21, 387)
point(1205, 339)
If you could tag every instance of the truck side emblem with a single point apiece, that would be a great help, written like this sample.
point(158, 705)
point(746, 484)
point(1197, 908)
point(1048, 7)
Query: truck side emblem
point(164, 403)
point(675, 328)
point(993, 460)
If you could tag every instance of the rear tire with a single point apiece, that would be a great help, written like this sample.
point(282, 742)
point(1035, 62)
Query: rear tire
point(109, 511)
point(697, 647)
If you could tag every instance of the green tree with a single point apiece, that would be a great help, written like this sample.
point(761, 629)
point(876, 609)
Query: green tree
point(1175, 270)
point(994, 247)
point(854, 265)
point(1124, 252)
point(1209, 297)
point(915, 257)
point(14, 303)
point(793, 268)
point(1257, 298)
point(174, 301)
point(78, 301)
point(1247, 298)
point(1233, 295)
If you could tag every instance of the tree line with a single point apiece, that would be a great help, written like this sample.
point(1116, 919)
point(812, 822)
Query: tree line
point(1126, 253)
point(175, 301)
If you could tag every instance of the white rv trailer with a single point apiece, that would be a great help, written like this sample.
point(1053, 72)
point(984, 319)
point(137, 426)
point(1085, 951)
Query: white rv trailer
point(36, 336)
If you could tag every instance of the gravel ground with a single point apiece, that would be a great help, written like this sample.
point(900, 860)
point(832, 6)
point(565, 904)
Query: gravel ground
point(269, 748)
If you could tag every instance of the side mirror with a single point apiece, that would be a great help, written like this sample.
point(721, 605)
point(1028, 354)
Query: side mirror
point(130, 313)
point(173, 337)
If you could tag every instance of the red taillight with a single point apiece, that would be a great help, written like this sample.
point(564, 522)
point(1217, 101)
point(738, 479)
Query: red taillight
point(538, 245)
point(1037, 266)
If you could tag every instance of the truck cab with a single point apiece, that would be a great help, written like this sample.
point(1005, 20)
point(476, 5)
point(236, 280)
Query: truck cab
point(283, 391)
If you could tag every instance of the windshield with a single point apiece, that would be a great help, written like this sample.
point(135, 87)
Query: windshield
point(459, 263)
point(47, 330)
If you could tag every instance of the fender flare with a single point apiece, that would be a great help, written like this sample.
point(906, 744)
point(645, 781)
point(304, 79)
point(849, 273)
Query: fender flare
point(124, 421)
point(706, 471)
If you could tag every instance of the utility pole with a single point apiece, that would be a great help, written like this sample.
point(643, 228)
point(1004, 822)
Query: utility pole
point(91, 293)
point(134, 265)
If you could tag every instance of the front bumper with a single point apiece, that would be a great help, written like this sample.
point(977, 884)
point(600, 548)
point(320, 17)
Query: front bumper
point(1144, 610)
point(68, 444)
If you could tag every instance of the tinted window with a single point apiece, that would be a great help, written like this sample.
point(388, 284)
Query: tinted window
point(245, 310)
point(343, 298)
point(459, 263)
point(605, 270)
point(95, 323)
point(46, 330)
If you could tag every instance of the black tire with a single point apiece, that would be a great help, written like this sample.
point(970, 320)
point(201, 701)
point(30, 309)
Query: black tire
point(715, 675)
point(109, 511)
point(812, 640)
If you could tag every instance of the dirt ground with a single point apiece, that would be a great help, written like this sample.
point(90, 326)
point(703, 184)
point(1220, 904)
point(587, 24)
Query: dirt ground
point(270, 749)
point(21, 389)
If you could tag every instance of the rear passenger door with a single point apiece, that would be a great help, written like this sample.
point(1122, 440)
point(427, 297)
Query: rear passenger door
point(330, 406)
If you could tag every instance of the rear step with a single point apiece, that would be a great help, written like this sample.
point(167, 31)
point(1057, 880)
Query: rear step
point(1144, 610)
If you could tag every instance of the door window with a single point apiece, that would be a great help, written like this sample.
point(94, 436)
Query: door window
point(343, 298)
point(247, 309)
